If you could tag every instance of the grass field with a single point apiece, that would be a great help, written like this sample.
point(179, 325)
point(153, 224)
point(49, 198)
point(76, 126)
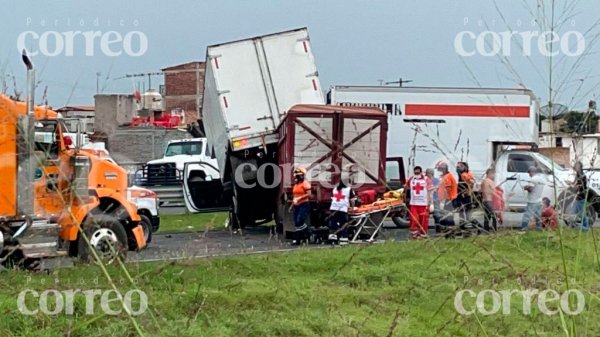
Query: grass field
point(192, 222)
point(391, 289)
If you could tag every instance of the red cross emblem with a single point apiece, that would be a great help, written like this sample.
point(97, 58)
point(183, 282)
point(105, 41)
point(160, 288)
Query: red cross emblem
point(338, 196)
point(418, 188)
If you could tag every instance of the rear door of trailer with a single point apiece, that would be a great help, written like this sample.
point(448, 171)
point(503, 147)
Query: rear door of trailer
point(259, 79)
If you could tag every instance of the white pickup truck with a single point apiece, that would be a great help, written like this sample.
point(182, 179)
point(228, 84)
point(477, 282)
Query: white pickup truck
point(192, 164)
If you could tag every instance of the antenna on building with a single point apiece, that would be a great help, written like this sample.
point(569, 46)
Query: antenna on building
point(149, 75)
point(400, 82)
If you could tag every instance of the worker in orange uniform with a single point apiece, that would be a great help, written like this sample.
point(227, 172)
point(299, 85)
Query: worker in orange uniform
point(447, 192)
point(301, 205)
point(421, 198)
point(464, 199)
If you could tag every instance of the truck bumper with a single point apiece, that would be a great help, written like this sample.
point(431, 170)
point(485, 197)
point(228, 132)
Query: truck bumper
point(155, 219)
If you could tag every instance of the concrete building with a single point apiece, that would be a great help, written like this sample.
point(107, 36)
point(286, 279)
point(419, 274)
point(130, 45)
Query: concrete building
point(183, 89)
point(112, 111)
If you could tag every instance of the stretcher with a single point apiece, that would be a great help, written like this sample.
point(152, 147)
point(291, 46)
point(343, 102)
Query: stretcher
point(368, 220)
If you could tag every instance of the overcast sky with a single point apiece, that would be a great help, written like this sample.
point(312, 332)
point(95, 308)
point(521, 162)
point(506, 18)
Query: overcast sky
point(354, 42)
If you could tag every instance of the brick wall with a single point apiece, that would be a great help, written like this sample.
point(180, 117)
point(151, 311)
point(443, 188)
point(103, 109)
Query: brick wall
point(560, 155)
point(184, 87)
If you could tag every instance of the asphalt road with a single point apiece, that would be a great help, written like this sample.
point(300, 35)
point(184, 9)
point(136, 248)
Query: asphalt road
point(250, 241)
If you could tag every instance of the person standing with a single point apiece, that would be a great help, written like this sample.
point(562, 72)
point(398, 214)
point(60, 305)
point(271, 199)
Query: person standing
point(534, 198)
point(488, 189)
point(464, 201)
point(301, 205)
point(436, 201)
point(421, 190)
point(580, 187)
point(447, 192)
point(341, 201)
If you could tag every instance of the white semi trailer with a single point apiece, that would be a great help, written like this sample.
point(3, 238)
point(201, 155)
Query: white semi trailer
point(488, 128)
point(249, 86)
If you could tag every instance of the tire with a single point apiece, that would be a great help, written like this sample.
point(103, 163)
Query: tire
point(146, 224)
point(107, 237)
point(400, 222)
point(592, 215)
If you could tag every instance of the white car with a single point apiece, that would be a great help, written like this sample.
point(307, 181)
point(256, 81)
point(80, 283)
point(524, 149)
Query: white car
point(146, 202)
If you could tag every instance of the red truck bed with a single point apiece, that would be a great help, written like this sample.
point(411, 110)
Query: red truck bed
point(333, 142)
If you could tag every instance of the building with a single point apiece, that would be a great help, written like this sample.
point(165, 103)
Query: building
point(84, 113)
point(183, 89)
point(567, 148)
point(112, 111)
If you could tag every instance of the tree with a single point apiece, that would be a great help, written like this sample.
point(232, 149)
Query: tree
point(579, 122)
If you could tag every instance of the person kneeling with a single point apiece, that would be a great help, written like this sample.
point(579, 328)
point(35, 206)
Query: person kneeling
point(549, 216)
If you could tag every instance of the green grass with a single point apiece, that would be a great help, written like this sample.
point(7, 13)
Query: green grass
point(391, 289)
point(192, 222)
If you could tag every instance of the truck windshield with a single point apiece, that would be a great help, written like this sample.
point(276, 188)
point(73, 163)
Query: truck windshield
point(185, 148)
point(46, 138)
point(548, 162)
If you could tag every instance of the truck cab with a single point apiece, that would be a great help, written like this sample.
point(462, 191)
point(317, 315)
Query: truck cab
point(191, 164)
point(511, 173)
point(79, 188)
point(179, 153)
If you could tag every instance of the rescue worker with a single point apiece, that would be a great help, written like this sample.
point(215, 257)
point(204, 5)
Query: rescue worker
point(421, 198)
point(464, 201)
point(436, 201)
point(447, 192)
point(341, 201)
point(301, 205)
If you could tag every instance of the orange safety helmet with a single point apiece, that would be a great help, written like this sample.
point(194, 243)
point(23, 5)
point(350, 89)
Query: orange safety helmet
point(300, 170)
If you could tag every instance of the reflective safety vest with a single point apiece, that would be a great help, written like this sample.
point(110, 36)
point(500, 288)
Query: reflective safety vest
point(340, 200)
point(419, 194)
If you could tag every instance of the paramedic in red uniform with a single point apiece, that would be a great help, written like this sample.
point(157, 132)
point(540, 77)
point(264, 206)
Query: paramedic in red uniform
point(301, 205)
point(421, 198)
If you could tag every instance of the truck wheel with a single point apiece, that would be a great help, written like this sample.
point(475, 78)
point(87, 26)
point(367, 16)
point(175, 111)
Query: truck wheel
point(400, 222)
point(146, 224)
point(106, 236)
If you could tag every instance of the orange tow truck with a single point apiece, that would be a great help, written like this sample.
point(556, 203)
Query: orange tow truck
point(51, 191)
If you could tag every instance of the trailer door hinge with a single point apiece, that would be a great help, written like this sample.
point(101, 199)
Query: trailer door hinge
point(264, 117)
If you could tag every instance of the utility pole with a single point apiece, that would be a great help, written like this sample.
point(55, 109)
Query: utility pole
point(98, 82)
point(400, 82)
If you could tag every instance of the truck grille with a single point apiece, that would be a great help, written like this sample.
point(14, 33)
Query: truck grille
point(159, 174)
